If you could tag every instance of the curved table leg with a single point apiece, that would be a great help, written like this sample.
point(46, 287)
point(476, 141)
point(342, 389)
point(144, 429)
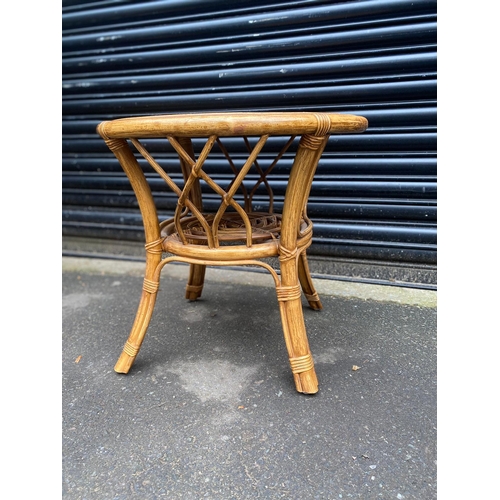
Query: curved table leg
point(292, 318)
point(195, 281)
point(142, 317)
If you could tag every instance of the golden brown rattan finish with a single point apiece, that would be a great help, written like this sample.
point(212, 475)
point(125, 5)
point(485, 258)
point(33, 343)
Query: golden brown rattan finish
point(233, 234)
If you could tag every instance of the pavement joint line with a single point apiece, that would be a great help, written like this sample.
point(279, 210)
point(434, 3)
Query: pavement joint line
point(325, 287)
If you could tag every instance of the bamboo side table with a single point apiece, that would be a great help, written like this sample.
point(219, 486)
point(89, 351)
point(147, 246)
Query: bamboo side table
point(233, 233)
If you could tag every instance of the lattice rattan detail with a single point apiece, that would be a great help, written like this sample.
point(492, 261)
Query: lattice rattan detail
point(232, 222)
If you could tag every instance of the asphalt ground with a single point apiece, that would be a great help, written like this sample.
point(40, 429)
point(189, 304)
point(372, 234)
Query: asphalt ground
point(209, 409)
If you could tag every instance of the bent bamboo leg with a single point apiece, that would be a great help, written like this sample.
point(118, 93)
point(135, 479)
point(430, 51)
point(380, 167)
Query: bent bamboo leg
point(289, 297)
point(142, 317)
point(139, 328)
point(307, 283)
point(153, 246)
point(195, 282)
point(289, 293)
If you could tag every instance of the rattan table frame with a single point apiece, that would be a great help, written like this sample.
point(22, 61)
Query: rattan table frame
point(232, 235)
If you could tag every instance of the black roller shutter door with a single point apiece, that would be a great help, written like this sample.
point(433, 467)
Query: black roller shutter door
point(374, 196)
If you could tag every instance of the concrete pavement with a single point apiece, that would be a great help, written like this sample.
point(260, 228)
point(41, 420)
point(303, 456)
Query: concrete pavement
point(171, 429)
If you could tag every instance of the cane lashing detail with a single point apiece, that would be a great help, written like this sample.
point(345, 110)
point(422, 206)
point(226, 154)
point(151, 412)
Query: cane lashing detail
point(311, 141)
point(194, 288)
point(130, 349)
point(313, 297)
point(285, 293)
point(286, 254)
point(154, 247)
point(301, 364)
point(150, 286)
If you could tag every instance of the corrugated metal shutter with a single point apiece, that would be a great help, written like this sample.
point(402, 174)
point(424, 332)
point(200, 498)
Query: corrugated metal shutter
point(374, 198)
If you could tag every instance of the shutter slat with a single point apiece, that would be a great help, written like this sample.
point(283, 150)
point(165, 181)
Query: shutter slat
point(374, 195)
